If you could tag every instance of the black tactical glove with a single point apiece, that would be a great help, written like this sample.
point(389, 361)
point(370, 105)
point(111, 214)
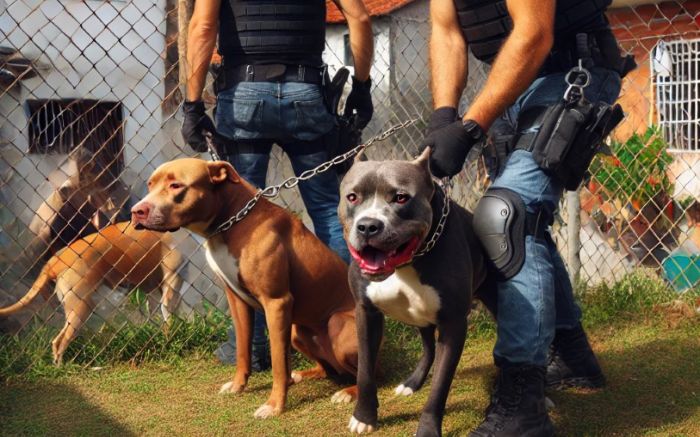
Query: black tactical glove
point(360, 102)
point(196, 123)
point(450, 143)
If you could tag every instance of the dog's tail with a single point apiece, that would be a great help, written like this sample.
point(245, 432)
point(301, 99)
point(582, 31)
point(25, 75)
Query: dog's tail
point(42, 285)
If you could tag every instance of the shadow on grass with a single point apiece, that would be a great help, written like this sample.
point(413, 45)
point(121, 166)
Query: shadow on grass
point(49, 408)
point(652, 386)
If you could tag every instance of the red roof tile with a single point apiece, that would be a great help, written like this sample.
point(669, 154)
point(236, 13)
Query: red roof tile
point(375, 8)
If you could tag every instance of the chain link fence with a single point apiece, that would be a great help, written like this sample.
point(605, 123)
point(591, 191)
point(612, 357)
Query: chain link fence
point(89, 103)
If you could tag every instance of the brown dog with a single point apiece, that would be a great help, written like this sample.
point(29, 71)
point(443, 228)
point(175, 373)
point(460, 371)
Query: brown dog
point(117, 255)
point(269, 261)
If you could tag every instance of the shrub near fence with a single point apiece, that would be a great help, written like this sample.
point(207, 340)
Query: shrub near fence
point(89, 99)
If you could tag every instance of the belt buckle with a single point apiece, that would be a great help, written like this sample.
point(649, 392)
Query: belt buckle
point(301, 73)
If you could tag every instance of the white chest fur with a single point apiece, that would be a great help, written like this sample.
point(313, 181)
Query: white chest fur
point(226, 267)
point(403, 297)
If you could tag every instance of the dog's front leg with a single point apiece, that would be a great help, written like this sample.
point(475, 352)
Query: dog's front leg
point(242, 315)
point(419, 375)
point(451, 339)
point(278, 313)
point(370, 328)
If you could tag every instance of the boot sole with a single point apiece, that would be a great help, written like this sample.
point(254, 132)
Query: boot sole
point(590, 382)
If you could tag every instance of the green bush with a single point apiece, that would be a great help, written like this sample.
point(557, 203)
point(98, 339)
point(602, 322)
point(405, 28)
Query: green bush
point(637, 171)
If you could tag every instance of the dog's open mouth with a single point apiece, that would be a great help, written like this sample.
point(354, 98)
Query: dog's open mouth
point(373, 261)
point(140, 227)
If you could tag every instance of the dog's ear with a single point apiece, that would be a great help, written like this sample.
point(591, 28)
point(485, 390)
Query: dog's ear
point(360, 156)
point(424, 159)
point(221, 171)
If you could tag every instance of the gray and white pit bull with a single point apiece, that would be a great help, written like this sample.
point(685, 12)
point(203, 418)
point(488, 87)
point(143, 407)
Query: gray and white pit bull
point(388, 210)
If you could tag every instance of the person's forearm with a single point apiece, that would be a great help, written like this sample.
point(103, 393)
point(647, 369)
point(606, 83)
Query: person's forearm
point(516, 66)
point(361, 45)
point(201, 40)
point(448, 66)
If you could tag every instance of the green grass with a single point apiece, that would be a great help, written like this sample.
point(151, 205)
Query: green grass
point(28, 355)
point(653, 371)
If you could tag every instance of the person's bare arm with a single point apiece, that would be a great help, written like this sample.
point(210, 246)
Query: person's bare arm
point(518, 61)
point(201, 40)
point(448, 55)
point(361, 37)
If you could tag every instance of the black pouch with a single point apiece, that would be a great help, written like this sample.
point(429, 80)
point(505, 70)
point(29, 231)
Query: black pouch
point(570, 135)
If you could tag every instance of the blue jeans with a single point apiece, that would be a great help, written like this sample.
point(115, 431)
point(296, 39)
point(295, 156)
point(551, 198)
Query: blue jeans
point(539, 299)
point(294, 116)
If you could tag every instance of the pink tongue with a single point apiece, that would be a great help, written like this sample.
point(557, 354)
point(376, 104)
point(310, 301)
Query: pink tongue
point(374, 260)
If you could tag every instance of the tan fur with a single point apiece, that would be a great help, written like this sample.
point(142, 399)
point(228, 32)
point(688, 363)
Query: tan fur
point(301, 284)
point(118, 255)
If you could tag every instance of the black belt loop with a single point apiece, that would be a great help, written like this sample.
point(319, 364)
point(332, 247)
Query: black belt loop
point(250, 73)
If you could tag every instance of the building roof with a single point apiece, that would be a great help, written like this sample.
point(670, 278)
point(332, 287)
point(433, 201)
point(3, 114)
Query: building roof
point(375, 8)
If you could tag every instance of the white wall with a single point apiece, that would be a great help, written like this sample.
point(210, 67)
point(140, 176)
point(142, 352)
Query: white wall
point(109, 50)
point(93, 49)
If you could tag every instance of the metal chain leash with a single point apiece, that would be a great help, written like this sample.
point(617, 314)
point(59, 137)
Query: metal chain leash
point(273, 191)
point(445, 185)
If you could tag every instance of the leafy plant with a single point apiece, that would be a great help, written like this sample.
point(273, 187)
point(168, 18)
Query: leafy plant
point(637, 170)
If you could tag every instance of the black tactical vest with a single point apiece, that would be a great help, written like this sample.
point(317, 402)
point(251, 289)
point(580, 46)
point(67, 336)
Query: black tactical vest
point(272, 31)
point(486, 23)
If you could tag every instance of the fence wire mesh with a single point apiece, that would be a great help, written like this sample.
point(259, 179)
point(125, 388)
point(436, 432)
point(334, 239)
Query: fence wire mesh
point(89, 103)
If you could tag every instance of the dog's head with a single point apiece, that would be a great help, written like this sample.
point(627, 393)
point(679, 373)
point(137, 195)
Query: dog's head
point(183, 193)
point(385, 211)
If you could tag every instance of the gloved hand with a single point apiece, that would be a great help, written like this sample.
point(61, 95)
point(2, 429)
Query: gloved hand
point(195, 124)
point(450, 142)
point(360, 102)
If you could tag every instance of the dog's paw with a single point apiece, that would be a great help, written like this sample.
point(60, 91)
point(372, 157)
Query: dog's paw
point(344, 396)
point(357, 427)
point(266, 411)
point(297, 377)
point(402, 390)
point(231, 387)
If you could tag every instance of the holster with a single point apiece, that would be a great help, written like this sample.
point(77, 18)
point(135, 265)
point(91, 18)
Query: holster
point(570, 135)
point(344, 136)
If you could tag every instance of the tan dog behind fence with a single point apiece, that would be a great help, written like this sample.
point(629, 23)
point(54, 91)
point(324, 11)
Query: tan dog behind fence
point(117, 255)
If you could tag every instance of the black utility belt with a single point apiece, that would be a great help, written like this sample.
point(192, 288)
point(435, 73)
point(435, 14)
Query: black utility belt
point(228, 76)
point(599, 48)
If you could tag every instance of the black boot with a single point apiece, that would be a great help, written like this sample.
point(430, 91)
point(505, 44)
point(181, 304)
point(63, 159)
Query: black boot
point(572, 362)
point(517, 406)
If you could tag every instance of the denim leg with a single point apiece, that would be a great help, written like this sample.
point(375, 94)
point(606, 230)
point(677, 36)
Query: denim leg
point(250, 166)
point(568, 311)
point(526, 310)
point(540, 297)
point(321, 196)
point(526, 302)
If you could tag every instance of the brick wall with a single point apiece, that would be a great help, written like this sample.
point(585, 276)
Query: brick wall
point(638, 29)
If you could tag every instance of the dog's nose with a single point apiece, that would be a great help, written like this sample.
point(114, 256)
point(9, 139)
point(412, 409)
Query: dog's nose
point(140, 210)
point(369, 227)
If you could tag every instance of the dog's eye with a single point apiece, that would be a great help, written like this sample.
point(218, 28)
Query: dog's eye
point(176, 185)
point(352, 198)
point(401, 198)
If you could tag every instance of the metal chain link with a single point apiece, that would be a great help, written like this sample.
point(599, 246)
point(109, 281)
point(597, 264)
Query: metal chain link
point(273, 191)
point(445, 185)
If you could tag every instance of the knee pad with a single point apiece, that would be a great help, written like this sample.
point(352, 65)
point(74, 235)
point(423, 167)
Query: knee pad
point(499, 223)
